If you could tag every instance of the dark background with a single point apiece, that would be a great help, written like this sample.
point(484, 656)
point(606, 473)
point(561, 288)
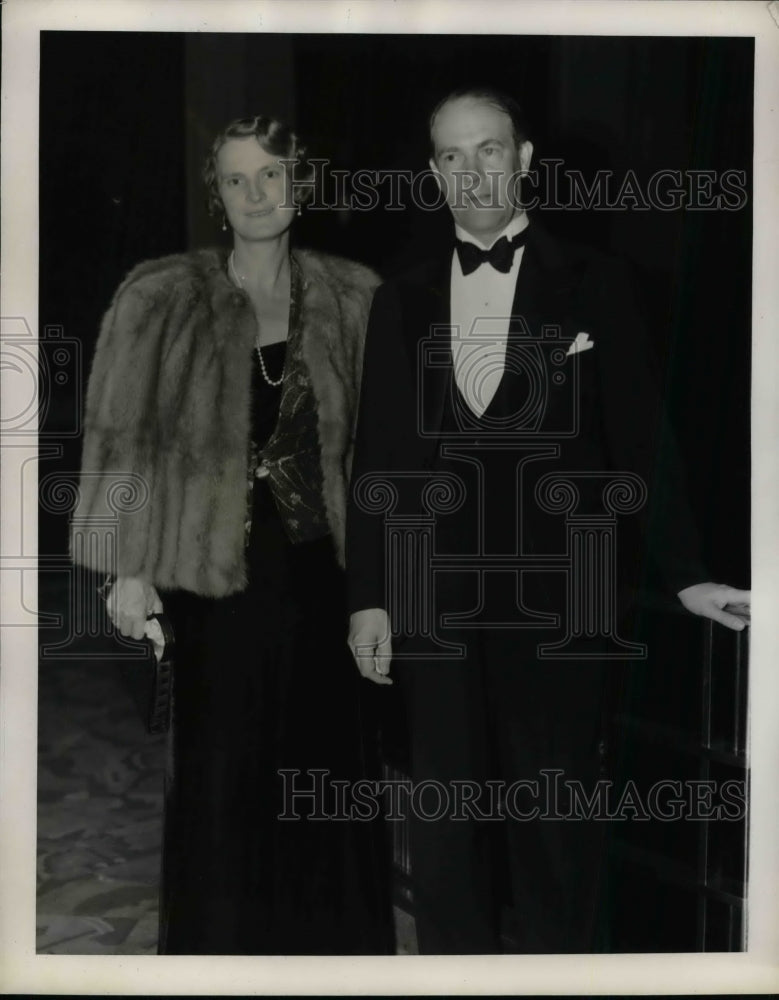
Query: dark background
point(126, 120)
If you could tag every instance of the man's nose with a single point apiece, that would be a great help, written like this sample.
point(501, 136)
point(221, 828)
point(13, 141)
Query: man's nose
point(475, 177)
point(474, 165)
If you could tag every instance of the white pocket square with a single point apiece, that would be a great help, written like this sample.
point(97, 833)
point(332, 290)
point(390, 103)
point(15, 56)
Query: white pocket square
point(582, 343)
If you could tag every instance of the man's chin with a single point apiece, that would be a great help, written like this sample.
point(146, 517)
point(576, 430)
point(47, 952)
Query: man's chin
point(482, 221)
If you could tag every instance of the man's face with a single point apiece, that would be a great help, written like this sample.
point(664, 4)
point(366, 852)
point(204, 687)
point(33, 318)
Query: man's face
point(479, 165)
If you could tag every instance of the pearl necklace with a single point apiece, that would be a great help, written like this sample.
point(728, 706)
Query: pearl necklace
point(273, 382)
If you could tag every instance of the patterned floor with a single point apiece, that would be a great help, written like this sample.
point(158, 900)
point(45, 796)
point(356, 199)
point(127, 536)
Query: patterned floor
point(99, 815)
point(100, 781)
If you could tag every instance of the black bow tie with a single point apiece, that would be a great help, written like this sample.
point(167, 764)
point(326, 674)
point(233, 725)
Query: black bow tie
point(500, 254)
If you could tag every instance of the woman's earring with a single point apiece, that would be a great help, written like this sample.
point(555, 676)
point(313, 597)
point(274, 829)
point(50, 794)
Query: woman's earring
point(299, 210)
point(224, 224)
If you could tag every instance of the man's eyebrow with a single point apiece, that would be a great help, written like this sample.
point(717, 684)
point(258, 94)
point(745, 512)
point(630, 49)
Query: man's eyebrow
point(482, 144)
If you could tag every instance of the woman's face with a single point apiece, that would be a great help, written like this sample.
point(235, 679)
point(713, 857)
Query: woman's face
point(255, 188)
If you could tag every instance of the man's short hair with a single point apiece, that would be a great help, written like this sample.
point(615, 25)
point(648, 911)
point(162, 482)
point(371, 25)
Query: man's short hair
point(494, 97)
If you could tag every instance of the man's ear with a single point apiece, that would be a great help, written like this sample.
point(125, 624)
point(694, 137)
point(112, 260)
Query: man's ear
point(525, 155)
point(438, 175)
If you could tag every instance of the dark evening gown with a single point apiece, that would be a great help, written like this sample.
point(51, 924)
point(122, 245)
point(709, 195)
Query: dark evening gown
point(264, 682)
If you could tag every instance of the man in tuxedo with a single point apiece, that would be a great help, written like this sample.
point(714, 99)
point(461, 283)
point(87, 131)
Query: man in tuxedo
point(514, 373)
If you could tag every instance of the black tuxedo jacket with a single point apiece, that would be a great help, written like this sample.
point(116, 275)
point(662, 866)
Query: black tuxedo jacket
point(619, 422)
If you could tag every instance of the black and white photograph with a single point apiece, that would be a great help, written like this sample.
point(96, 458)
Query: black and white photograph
point(388, 478)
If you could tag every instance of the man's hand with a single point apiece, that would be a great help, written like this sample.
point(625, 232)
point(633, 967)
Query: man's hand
point(371, 644)
point(710, 599)
point(129, 603)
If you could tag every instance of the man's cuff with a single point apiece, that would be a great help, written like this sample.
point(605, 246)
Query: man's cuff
point(363, 598)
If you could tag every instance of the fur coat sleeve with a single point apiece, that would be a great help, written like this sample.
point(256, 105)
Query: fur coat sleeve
point(163, 492)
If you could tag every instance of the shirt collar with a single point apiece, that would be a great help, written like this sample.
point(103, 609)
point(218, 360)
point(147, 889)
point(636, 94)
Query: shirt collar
point(517, 224)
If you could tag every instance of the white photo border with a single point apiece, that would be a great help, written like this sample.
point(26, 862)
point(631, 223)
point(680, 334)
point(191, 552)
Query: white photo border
point(21, 970)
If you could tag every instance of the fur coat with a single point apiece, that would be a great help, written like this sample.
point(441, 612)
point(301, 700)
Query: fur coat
point(168, 409)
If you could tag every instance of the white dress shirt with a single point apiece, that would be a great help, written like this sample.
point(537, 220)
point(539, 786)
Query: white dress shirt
point(480, 313)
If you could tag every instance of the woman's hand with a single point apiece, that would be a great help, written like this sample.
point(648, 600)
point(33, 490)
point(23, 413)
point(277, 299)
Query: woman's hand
point(371, 645)
point(130, 601)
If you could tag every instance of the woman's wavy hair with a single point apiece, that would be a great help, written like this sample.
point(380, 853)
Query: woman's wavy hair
point(275, 138)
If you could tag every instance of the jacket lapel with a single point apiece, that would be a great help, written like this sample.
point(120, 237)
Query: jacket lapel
point(544, 285)
point(540, 320)
point(541, 300)
point(430, 344)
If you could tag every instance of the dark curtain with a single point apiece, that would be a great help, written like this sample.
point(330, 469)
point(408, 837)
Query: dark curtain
point(127, 118)
point(111, 194)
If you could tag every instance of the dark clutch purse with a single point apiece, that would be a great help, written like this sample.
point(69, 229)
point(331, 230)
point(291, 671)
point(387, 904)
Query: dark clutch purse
point(151, 681)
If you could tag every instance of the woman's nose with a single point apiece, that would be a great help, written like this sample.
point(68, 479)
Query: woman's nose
point(256, 191)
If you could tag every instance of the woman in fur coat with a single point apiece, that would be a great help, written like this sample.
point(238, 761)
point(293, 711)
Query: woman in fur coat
point(224, 387)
